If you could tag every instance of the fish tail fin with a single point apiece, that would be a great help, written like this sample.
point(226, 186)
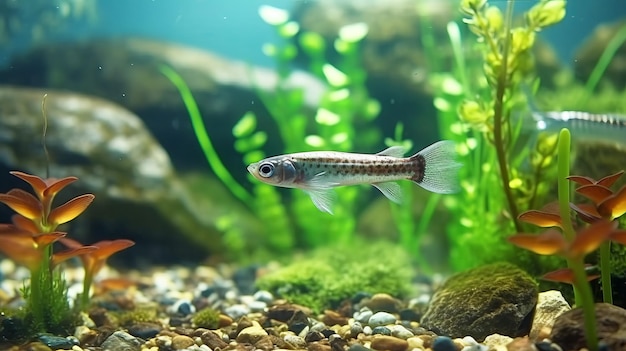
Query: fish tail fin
point(437, 168)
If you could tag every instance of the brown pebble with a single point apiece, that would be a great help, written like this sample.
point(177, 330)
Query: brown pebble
point(521, 344)
point(225, 321)
point(383, 302)
point(212, 340)
point(389, 343)
point(319, 346)
point(333, 318)
point(180, 342)
point(265, 343)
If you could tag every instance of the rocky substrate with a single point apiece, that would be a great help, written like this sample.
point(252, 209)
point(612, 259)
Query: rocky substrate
point(205, 309)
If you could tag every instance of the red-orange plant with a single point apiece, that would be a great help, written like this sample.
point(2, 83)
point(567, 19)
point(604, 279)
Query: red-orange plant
point(93, 261)
point(28, 241)
point(601, 213)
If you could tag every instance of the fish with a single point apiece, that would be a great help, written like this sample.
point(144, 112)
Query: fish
point(434, 168)
point(584, 126)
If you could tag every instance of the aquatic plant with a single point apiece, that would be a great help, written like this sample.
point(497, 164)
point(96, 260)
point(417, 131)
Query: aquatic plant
point(94, 260)
point(29, 241)
point(572, 243)
point(475, 102)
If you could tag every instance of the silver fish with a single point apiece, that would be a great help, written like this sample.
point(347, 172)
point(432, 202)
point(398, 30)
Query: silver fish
point(434, 169)
point(584, 126)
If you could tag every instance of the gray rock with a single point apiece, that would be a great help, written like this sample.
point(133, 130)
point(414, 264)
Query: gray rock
point(381, 318)
point(126, 71)
point(121, 341)
point(496, 298)
point(138, 194)
point(363, 315)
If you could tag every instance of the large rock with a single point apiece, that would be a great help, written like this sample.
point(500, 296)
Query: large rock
point(569, 331)
point(497, 298)
point(138, 195)
point(126, 71)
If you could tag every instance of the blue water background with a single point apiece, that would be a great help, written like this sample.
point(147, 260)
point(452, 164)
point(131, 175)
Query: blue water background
point(234, 29)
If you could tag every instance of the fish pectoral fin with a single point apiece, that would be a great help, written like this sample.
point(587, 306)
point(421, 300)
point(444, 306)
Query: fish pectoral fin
point(391, 190)
point(323, 198)
point(318, 181)
point(393, 151)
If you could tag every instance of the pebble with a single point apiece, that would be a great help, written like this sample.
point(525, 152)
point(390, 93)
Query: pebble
point(180, 342)
point(296, 341)
point(251, 334)
point(400, 332)
point(363, 315)
point(443, 343)
point(237, 311)
point(389, 343)
point(257, 306)
point(383, 302)
point(264, 296)
point(381, 318)
point(381, 331)
point(355, 329)
point(56, 342)
point(121, 341)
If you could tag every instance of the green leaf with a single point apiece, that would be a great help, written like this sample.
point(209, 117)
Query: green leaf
point(245, 126)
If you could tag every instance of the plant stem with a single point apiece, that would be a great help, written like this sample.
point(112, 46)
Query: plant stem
point(498, 112)
point(605, 272)
point(582, 290)
point(203, 137)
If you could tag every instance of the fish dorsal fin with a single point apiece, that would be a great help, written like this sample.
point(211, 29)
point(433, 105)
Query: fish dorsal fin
point(391, 190)
point(323, 198)
point(393, 151)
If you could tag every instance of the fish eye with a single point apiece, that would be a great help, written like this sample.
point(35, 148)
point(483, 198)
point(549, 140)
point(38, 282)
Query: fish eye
point(266, 170)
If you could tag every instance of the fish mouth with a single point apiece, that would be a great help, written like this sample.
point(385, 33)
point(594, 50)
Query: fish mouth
point(251, 168)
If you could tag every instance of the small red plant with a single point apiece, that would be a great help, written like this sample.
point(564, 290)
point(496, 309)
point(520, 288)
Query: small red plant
point(601, 213)
point(28, 241)
point(94, 260)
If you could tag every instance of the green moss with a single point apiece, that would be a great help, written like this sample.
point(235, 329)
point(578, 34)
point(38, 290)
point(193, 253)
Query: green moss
point(206, 318)
point(138, 315)
point(332, 274)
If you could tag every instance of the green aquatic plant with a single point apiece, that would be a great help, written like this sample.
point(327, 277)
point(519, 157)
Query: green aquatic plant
point(475, 102)
point(333, 273)
point(574, 243)
point(208, 318)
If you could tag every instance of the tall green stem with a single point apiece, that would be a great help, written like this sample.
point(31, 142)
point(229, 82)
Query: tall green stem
point(582, 290)
point(605, 272)
point(498, 119)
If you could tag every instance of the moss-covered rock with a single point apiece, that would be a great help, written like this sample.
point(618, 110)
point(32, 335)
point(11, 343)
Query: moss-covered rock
point(334, 273)
point(496, 298)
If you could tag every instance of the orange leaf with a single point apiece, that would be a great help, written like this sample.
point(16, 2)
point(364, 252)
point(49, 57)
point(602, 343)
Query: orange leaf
point(619, 236)
point(56, 185)
point(589, 238)
point(45, 239)
point(59, 257)
point(587, 213)
point(70, 209)
point(581, 180)
point(25, 224)
point(610, 179)
point(20, 247)
point(541, 219)
point(614, 206)
point(565, 275)
point(549, 242)
point(38, 184)
point(594, 192)
point(22, 205)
